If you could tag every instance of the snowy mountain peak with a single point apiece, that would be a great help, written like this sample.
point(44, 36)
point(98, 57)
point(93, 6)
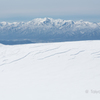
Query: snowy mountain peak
point(51, 21)
point(47, 20)
point(49, 30)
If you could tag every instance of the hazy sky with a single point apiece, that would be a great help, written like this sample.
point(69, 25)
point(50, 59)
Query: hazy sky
point(39, 8)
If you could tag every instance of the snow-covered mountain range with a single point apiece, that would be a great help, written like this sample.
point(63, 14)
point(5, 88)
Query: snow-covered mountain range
point(50, 71)
point(48, 30)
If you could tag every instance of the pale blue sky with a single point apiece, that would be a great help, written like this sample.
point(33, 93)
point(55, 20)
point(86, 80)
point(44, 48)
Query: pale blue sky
point(28, 9)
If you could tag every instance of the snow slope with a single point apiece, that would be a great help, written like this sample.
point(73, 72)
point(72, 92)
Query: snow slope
point(48, 30)
point(50, 71)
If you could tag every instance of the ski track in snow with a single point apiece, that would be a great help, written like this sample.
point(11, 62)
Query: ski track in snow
point(27, 55)
point(45, 51)
point(54, 54)
point(96, 52)
point(77, 53)
point(21, 58)
point(17, 59)
point(50, 49)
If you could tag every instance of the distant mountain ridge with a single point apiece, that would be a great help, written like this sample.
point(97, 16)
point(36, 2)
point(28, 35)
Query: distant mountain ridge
point(48, 30)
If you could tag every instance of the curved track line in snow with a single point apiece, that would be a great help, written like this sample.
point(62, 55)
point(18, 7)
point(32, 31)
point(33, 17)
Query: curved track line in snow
point(95, 52)
point(17, 59)
point(50, 49)
point(54, 54)
point(20, 58)
point(40, 52)
point(72, 58)
point(77, 53)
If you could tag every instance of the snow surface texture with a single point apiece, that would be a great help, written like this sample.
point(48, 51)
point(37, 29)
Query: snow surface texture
point(50, 71)
point(48, 30)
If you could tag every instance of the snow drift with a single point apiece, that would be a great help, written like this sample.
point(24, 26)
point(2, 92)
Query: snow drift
point(50, 71)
